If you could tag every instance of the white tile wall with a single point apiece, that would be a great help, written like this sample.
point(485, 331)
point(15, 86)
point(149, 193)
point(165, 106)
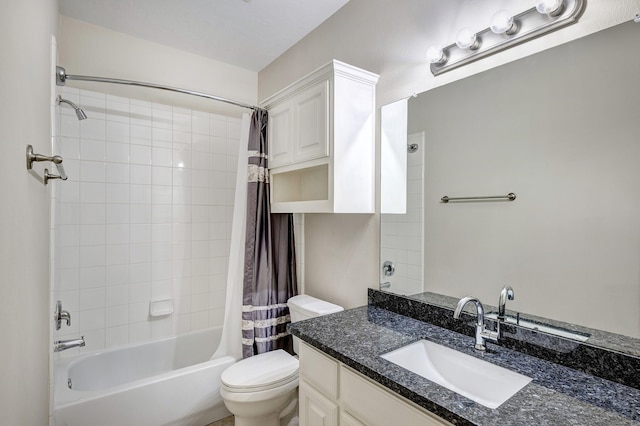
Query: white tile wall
point(402, 235)
point(145, 215)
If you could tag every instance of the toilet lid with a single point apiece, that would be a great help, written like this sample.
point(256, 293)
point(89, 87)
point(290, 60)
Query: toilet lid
point(262, 371)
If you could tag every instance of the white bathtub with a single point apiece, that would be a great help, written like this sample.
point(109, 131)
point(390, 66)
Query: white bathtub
point(164, 382)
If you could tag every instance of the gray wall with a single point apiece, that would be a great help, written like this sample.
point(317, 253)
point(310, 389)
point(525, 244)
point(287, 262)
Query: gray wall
point(26, 28)
point(560, 129)
point(390, 37)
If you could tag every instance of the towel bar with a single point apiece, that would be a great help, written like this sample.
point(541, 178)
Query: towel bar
point(509, 197)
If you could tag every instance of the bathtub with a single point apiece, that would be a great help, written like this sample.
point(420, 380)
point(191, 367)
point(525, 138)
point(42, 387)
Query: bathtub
point(164, 382)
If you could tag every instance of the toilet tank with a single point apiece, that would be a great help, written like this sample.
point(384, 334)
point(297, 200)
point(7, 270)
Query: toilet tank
point(303, 307)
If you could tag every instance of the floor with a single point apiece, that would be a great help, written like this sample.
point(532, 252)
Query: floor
point(227, 421)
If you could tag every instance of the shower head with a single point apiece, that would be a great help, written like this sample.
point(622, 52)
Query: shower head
point(79, 112)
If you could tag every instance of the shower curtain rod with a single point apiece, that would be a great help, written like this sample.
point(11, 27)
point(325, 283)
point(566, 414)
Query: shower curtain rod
point(62, 77)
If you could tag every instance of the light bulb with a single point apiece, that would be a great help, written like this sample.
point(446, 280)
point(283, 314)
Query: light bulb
point(435, 55)
point(467, 39)
point(502, 23)
point(550, 7)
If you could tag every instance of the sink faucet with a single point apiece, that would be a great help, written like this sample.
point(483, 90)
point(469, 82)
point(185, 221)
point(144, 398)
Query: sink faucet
point(63, 345)
point(482, 334)
point(505, 293)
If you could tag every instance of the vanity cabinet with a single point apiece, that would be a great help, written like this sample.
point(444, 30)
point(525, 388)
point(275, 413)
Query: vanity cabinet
point(333, 394)
point(315, 408)
point(321, 136)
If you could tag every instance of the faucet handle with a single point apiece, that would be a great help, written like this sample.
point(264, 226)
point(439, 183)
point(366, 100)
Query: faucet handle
point(61, 315)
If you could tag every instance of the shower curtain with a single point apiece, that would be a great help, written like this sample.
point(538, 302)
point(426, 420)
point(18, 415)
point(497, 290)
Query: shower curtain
point(269, 259)
point(230, 344)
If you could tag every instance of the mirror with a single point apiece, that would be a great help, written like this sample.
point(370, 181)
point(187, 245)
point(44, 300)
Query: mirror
point(561, 130)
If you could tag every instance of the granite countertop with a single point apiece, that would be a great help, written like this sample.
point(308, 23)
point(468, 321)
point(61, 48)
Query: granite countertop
point(557, 395)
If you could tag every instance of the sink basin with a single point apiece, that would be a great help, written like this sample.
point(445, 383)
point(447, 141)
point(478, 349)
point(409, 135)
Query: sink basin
point(478, 380)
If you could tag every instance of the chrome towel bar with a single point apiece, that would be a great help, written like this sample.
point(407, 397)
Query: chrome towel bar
point(56, 159)
point(509, 197)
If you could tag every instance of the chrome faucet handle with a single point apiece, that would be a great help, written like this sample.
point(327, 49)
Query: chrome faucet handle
point(61, 315)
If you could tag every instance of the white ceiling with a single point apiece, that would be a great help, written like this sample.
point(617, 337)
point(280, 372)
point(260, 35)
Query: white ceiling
point(247, 33)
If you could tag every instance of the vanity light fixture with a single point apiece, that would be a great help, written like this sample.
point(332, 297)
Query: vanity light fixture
point(505, 30)
point(467, 39)
point(435, 55)
point(502, 22)
point(550, 7)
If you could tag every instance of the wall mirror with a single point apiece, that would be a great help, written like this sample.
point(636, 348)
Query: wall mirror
point(561, 130)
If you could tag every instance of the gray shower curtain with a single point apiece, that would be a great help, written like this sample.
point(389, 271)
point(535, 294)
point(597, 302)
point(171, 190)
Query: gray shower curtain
point(270, 264)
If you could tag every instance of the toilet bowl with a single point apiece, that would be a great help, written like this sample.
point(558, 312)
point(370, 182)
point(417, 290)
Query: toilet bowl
point(263, 390)
point(257, 390)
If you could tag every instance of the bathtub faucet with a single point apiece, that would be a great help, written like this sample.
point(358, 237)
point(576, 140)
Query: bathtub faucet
point(63, 345)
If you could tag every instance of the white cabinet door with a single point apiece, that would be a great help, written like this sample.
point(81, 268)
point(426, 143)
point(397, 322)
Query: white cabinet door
point(347, 419)
point(280, 135)
point(311, 126)
point(315, 408)
point(375, 406)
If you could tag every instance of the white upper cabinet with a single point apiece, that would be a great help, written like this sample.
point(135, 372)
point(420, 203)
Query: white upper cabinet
point(311, 118)
point(321, 140)
point(280, 135)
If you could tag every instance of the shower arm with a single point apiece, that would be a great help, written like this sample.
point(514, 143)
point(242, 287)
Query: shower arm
point(62, 77)
point(79, 112)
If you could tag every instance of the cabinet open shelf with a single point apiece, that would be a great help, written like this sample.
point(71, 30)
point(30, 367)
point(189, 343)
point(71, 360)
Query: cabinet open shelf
point(322, 142)
point(308, 185)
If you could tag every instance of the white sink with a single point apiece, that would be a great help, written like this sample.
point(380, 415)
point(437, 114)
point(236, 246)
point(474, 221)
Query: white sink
point(478, 380)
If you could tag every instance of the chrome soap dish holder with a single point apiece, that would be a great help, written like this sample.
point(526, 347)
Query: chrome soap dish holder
point(56, 159)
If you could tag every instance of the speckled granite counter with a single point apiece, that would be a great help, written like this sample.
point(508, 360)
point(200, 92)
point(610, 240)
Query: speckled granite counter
point(557, 395)
point(606, 355)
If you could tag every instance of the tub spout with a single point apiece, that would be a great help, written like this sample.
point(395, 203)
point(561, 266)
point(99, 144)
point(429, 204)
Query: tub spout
point(63, 345)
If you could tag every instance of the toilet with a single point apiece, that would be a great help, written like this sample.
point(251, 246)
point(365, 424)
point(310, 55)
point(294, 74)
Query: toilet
point(263, 390)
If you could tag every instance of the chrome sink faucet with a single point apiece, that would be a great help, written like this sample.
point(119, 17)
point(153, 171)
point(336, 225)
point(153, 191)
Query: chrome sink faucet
point(63, 345)
point(505, 293)
point(482, 334)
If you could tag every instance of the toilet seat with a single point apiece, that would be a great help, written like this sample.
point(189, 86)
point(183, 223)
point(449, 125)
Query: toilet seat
point(262, 372)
